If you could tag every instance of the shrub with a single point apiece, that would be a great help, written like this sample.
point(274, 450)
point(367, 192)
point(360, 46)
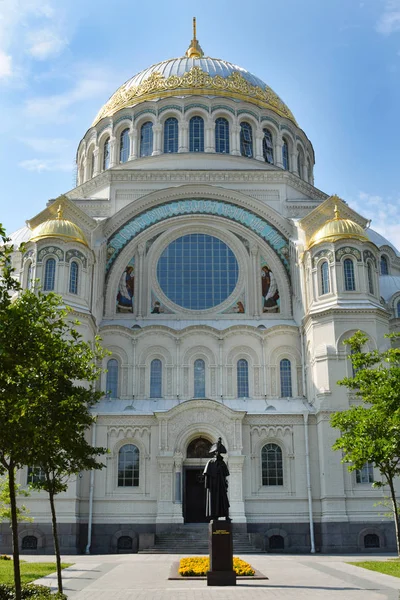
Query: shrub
point(34, 592)
point(197, 566)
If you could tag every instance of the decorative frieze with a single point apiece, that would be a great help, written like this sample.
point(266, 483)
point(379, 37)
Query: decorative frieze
point(347, 250)
point(43, 252)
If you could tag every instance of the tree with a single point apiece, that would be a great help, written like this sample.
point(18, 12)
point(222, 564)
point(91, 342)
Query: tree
point(43, 362)
point(370, 431)
point(64, 451)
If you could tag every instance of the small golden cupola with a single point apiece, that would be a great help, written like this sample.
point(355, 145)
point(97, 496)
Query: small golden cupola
point(194, 50)
point(59, 228)
point(338, 229)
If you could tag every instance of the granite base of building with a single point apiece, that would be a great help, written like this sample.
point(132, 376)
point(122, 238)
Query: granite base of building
point(330, 538)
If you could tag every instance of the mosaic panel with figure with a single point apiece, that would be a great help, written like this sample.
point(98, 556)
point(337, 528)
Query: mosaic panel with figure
point(269, 290)
point(126, 289)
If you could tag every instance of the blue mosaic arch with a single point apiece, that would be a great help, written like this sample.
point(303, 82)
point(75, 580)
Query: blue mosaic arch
point(248, 219)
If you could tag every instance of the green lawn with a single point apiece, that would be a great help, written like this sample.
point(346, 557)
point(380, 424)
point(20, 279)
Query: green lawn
point(388, 567)
point(29, 571)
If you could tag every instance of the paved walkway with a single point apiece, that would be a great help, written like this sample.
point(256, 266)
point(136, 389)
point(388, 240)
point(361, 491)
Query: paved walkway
point(145, 577)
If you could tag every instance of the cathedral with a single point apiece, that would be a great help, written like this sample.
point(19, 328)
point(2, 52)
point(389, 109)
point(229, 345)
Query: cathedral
point(223, 283)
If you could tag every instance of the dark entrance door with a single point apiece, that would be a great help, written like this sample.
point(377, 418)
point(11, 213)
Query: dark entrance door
point(195, 496)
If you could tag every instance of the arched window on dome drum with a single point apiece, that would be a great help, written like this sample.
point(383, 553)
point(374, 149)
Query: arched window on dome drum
point(272, 465)
point(222, 135)
point(196, 134)
point(300, 162)
point(171, 135)
point(73, 278)
point(112, 378)
point(370, 278)
point(246, 139)
point(242, 378)
point(91, 165)
point(29, 276)
point(398, 310)
point(325, 284)
point(268, 147)
point(285, 155)
point(349, 280)
point(156, 378)
point(106, 154)
point(49, 275)
point(124, 146)
point(309, 171)
point(199, 378)
point(146, 139)
point(285, 371)
point(384, 266)
point(128, 466)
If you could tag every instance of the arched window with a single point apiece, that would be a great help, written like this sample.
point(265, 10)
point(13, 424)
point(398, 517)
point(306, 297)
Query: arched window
point(124, 146)
point(366, 474)
point(196, 134)
point(276, 542)
point(272, 465)
point(49, 275)
point(268, 147)
point(199, 378)
point(371, 540)
point(146, 139)
point(384, 265)
point(370, 278)
point(91, 164)
point(242, 378)
point(325, 284)
point(156, 378)
point(285, 369)
point(222, 135)
point(35, 475)
point(125, 542)
point(112, 378)
point(285, 155)
point(398, 310)
point(73, 277)
point(300, 161)
point(309, 171)
point(246, 140)
point(171, 135)
point(29, 276)
point(106, 154)
point(29, 542)
point(348, 270)
point(128, 466)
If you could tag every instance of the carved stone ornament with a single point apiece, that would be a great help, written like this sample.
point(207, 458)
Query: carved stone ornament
point(322, 254)
point(76, 254)
point(156, 86)
point(50, 250)
point(347, 250)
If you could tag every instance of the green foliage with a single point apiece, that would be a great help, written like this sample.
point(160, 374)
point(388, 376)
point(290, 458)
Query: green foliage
point(34, 592)
point(5, 509)
point(370, 431)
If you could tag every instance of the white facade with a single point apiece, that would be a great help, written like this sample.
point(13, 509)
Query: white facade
point(247, 340)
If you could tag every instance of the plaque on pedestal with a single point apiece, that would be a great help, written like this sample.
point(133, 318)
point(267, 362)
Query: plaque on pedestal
point(220, 546)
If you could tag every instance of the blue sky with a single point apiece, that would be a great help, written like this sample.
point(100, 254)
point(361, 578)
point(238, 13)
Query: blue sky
point(336, 63)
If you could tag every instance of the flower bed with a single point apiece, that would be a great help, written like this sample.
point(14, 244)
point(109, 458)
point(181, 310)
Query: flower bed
point(197, 566)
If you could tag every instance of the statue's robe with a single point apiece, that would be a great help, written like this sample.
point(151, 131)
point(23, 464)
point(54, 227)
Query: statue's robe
point(217, 503)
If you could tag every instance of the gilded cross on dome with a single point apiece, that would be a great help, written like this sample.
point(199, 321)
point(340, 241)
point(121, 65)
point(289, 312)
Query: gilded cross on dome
point(194, 50)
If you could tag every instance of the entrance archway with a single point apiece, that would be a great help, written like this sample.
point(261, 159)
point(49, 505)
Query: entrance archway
point(194, 499)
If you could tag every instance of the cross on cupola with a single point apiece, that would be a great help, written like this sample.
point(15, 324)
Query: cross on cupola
point(194, 50)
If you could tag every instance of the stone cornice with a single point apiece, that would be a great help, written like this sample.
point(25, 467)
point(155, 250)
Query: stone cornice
point(189, 176)
point(346, 312)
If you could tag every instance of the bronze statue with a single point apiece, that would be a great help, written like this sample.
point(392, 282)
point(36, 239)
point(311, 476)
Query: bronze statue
point(216, 473)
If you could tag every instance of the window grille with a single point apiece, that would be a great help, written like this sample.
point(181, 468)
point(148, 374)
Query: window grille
point(128, 466)
point(73, 278)
point(246, 140)
point(156, 378)
point(366, 474)
point(196, 134)
point(146, 139)
point(106, 154)
point(222, 135)
point(199, 378)
point(124, 146)
point(243, 378)
point(325, 284)
point(285, 155)
point(171, 135)
point(349, 281)
point(286, 378)
point(49, 275)
point(112, 378)
point(268, 147)
point(272, 465)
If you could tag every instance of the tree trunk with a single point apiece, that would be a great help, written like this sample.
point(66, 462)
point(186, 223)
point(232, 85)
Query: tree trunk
point(395, 513)
point(55, 538)
point(14, 528)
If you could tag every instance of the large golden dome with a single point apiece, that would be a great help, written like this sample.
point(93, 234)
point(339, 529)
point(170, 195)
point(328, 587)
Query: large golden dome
point(194, 74)
point(58, 228)
point(337, 229)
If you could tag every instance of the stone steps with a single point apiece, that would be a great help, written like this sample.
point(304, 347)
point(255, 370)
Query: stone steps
point(195, 541)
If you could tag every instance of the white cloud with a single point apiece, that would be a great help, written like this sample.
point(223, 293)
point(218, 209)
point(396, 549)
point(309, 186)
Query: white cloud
point(44, 43)
point(389, 21)
point(5, 64)
point(93, 83)
point(50, 164)
point(383, 212)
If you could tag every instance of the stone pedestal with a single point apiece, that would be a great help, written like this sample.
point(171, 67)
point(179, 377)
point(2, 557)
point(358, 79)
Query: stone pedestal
point(220, 545)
